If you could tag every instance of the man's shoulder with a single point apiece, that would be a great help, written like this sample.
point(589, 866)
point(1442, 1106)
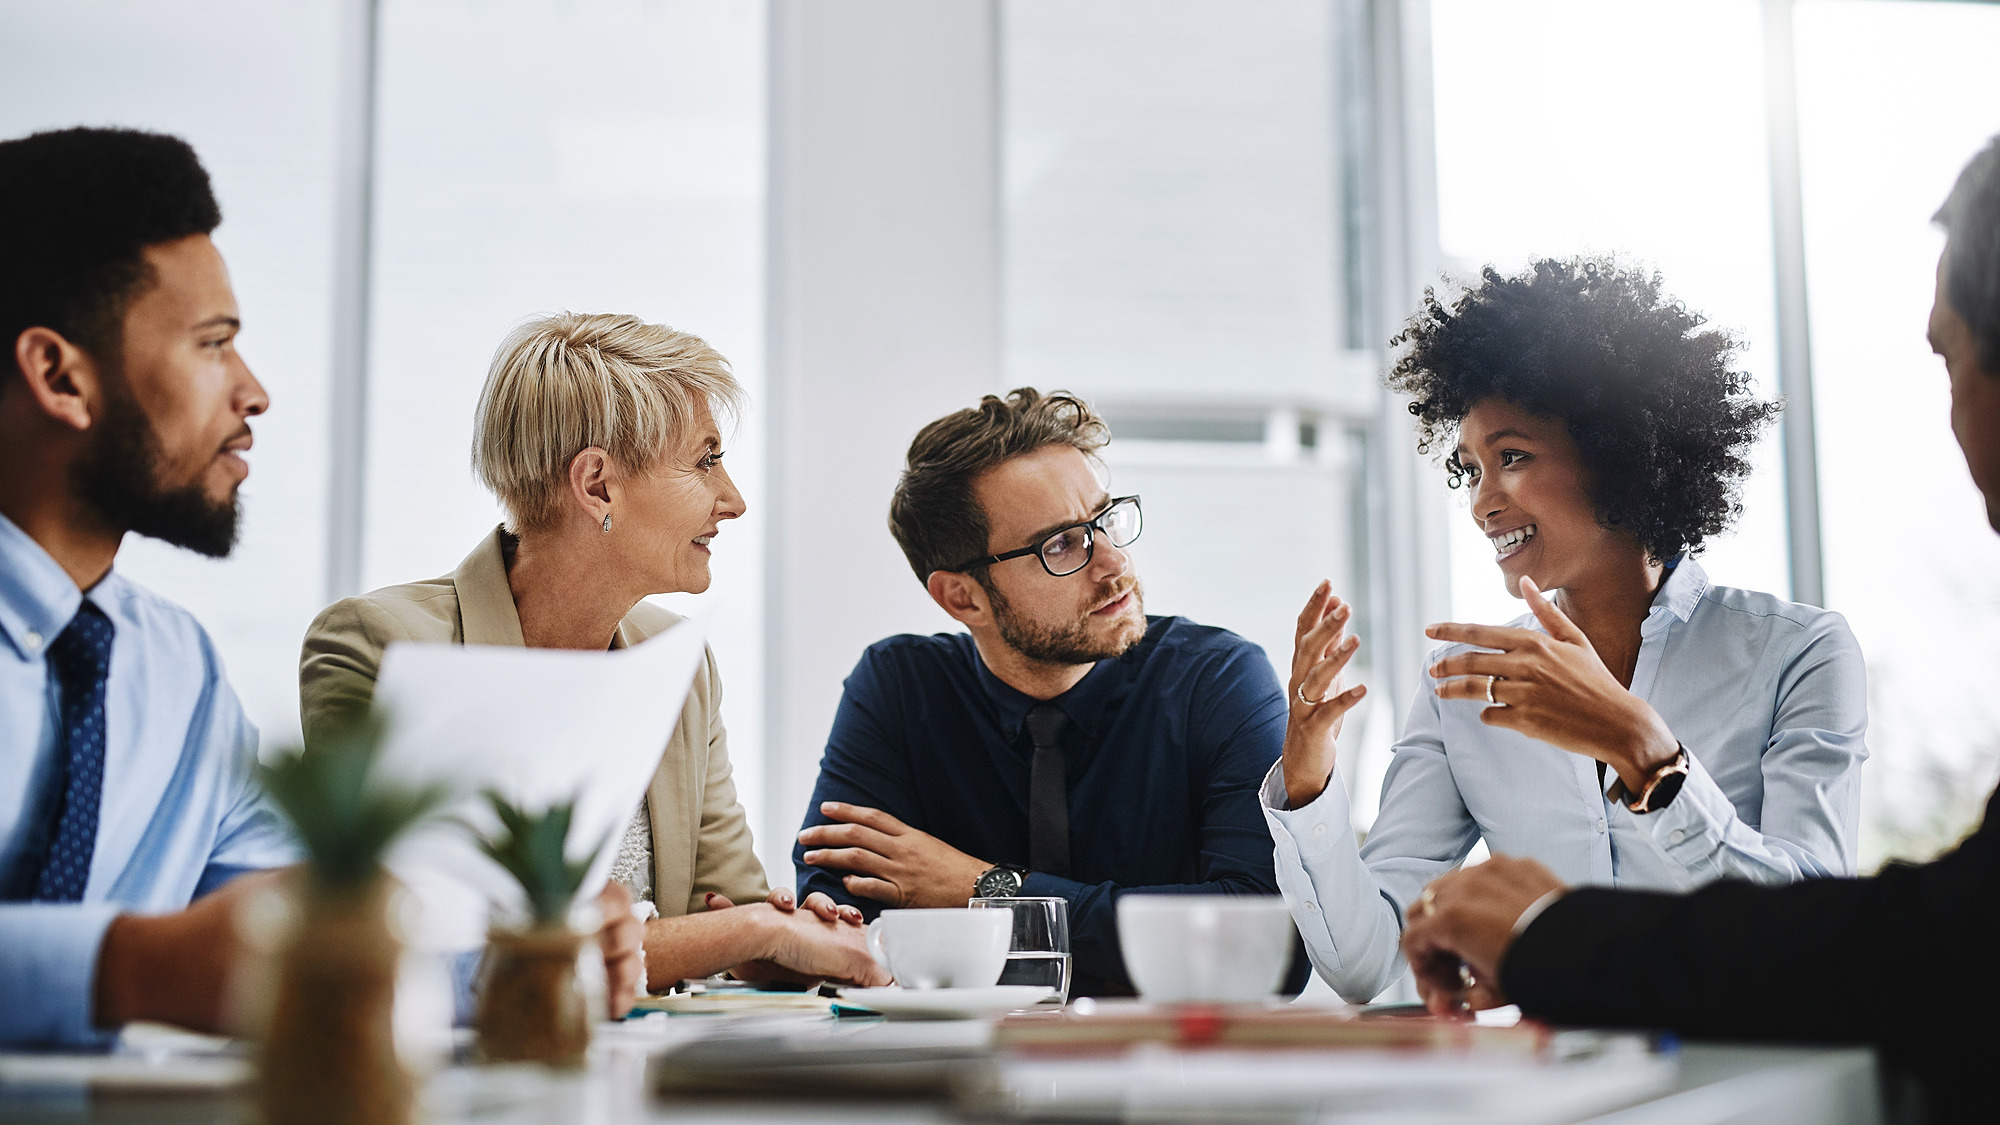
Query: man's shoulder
point(920, 653)
point(1177, 639)
point(152, 618)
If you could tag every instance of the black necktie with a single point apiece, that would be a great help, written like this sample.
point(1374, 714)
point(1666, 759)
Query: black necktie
point(80, 661)
point(1048, 793)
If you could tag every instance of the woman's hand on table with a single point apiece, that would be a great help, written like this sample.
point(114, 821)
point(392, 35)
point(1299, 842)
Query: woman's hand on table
point(1551, 686)
point(805, 946)
point(1317, 696)
point(819, 903)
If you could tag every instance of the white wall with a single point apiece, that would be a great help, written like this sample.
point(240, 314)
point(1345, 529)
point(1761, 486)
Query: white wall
point(882, 317)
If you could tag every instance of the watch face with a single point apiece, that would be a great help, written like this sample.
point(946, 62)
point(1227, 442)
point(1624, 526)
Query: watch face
point(999, 882)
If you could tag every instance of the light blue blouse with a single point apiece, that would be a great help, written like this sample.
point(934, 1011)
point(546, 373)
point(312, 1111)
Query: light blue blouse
point(181, 811)
point(1769, 697)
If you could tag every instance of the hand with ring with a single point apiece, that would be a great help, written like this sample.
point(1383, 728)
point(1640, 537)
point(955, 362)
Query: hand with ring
point(1320, 700)
point(1550, 685)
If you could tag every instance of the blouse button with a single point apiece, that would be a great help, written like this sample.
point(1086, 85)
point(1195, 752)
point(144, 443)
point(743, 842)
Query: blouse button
point(1601, 826)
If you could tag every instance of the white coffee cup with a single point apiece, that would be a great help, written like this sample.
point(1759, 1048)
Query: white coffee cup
point(949, 948)
point(1218, 949)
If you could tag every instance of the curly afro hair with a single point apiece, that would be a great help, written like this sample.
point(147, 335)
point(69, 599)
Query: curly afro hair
point(1661, 419)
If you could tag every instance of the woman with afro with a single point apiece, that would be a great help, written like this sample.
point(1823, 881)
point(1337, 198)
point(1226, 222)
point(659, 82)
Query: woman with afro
point(1639, 726)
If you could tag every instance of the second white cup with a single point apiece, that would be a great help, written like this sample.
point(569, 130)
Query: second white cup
point(1215, 949)
point(948, 948)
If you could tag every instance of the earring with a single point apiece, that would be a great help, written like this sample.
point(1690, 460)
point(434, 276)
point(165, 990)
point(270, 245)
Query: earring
point(607, 521)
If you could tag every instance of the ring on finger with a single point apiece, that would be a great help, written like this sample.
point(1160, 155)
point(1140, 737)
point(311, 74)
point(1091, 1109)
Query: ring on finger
point(1427, 901)
point(1489, 691)
point(1300, 691)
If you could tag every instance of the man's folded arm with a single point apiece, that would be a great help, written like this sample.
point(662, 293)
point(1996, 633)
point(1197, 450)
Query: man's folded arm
point(863, 765)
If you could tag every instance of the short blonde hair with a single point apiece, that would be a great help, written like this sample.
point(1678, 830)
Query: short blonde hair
point(563, 383)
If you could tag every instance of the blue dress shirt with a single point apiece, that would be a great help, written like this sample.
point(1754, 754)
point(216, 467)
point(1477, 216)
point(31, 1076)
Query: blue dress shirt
point(1770, 698)
point(1165, 747)
point(181, 811)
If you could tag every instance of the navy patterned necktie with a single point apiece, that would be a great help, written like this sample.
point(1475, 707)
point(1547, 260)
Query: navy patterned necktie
point(80, 661)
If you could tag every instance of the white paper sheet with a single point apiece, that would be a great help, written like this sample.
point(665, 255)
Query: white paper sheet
point(540, 726)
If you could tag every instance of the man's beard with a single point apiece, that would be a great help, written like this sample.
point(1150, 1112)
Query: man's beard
point(1062, 644)
point(119, 477)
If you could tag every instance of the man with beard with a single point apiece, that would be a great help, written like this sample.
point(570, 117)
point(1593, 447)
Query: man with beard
point(128, 798)
point(1066, 745)
point(126, 763)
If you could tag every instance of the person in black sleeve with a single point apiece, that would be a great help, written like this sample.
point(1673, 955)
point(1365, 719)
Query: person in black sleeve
point(1064, 745)
point(1897, 960)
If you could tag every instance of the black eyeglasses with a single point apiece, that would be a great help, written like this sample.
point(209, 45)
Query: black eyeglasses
point(1067, 550)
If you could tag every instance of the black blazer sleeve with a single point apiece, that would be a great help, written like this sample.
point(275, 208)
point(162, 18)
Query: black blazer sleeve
point(1904, 960)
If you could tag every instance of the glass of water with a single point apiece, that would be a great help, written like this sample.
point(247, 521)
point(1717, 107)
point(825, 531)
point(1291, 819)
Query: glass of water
point(1039, 954)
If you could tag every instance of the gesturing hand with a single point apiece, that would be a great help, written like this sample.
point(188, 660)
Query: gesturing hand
point(888, 860)
point(1553, 687)
point(1318, 698)
point(1461, 927)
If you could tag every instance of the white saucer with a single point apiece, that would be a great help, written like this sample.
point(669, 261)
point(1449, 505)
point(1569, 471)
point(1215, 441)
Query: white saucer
point(947, 1003)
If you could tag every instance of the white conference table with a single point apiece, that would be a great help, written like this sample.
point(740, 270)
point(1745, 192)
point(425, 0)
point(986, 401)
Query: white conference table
point(1710, 1084)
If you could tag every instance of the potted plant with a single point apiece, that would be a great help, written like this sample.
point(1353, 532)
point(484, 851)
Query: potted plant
point(328, 1055)
point(533, 1006)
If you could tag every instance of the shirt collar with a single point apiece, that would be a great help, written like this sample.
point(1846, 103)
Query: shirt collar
point(1685, 585)
point(37, 597)
point(1081, 703)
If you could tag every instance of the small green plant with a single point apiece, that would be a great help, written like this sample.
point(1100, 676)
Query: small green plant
point(531, 849)
point(343, 817)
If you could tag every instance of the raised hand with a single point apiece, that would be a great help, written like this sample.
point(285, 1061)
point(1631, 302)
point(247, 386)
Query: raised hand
point(889, 861)
point(1552, 687)
point(1319, 699)
point(1460, 928)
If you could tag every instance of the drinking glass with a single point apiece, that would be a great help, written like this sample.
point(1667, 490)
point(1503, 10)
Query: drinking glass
point(1039, 953)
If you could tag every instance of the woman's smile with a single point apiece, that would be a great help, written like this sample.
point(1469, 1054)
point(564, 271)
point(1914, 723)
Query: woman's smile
point(1507, 544)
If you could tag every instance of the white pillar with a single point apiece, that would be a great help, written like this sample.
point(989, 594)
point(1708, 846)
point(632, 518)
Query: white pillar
point(883, 281)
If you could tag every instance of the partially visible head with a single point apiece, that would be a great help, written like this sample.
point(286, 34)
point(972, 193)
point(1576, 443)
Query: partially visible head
point(1585, 408)
point(121, 324)
point(1965, 317)
point(586, 416)
point(1002, 476)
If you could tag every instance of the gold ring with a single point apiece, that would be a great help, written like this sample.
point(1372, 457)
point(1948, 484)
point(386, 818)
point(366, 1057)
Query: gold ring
point(1427, 900)
point(1489, 691)
point(1300, 691)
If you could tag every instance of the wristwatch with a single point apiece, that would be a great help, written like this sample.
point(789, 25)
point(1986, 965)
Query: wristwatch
point(1001, 881)
point(1660, 789)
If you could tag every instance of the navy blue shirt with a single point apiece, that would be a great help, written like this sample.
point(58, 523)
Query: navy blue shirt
point(1166, 746)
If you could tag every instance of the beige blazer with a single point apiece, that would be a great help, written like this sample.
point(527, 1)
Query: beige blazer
point(701, 837)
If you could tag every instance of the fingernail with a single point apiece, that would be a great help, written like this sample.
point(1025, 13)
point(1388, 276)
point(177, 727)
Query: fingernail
point(828, 806)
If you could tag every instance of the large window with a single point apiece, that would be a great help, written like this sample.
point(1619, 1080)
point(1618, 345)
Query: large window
point(1171, 249)
point(1572, 127)
point(1894, 98)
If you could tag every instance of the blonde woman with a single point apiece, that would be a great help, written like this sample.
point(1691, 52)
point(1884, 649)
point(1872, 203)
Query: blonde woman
point(599, 436)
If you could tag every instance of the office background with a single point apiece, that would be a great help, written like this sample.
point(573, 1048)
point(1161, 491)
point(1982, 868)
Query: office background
point(1207, 216)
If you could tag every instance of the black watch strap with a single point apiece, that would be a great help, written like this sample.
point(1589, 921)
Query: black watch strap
point(1661, 788)
point(1000, 881)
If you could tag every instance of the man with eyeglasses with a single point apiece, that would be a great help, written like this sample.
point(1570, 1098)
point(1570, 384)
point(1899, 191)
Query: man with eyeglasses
point(1065, 745)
